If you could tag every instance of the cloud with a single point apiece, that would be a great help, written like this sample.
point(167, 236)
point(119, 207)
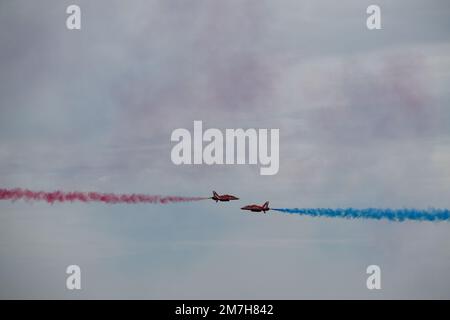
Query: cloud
point(363, 121)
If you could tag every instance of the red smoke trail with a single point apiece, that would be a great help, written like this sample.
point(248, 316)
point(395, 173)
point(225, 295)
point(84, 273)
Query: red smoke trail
point(60, 196)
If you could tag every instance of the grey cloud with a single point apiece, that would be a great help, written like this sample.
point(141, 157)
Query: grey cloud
point(363, 119)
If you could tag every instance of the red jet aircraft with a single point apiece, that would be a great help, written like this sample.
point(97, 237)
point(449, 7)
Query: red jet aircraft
point(224, 197)
point(256, 208)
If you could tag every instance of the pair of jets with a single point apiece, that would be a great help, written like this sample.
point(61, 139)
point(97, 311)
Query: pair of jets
point(253, 207)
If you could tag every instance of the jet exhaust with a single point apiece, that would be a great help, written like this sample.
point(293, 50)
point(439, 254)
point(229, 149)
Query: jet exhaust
point(430, 214)
point(111, 198)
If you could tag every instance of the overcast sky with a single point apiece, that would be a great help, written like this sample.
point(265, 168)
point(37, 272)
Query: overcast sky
point(364, 122)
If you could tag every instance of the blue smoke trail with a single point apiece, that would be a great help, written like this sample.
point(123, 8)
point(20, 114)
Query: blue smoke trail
point(373, 213)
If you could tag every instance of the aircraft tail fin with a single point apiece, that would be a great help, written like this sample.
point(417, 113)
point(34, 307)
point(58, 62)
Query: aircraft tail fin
point(266, 205)
point(215, 194)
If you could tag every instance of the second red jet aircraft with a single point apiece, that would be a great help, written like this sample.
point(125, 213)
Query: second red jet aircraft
point(257, 208)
